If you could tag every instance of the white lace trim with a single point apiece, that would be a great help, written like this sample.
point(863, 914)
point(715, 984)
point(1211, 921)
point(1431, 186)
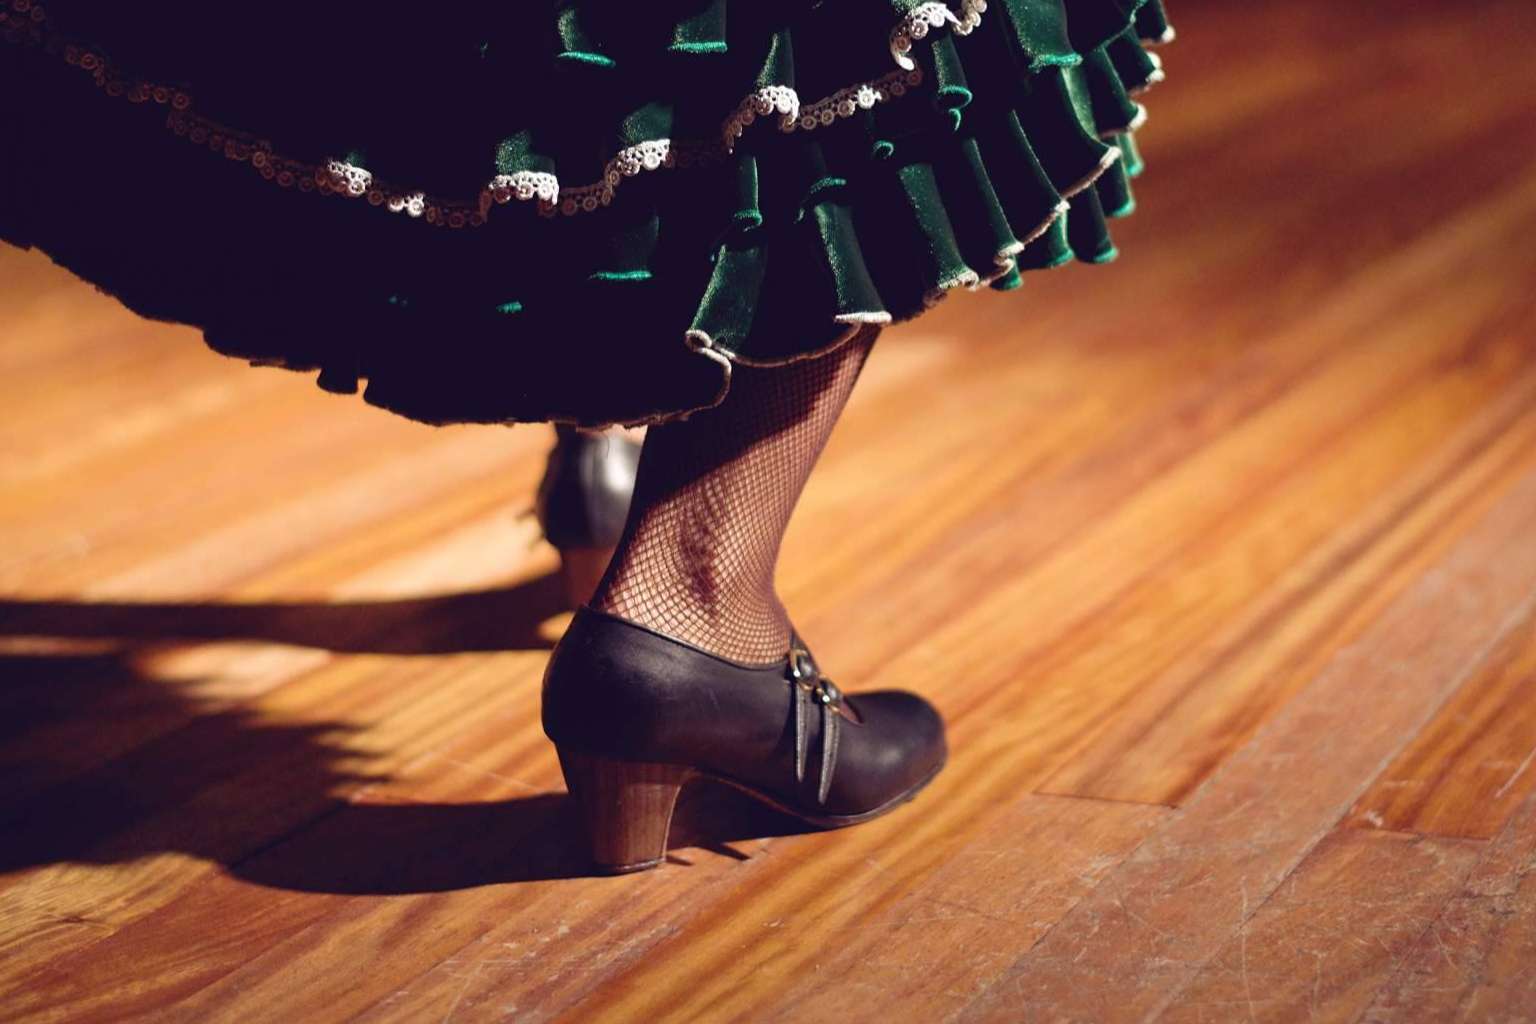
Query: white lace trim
point(970, 15)
point(524, 185)
point(769, 100)
point(916, 25)
point(849, 101)
point(338, 177)
point(630, 161)
point(349, 178)
point(924, 18)
point(334, 177)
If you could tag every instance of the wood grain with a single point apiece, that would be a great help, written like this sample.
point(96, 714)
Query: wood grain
point(1470, 768)
point(1473, 962)
point(1307, 955)
point(1137, 942)
point(1218, 561)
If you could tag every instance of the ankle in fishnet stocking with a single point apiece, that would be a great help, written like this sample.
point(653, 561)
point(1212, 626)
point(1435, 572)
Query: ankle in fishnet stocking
point(713, 499)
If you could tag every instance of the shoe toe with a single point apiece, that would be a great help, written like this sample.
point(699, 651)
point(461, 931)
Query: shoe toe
point(896, 747)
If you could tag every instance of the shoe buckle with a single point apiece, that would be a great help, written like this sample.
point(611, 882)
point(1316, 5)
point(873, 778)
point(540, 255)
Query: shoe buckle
point(804, 673)
point(827, 693)
point(811, 687)
point(802, 670)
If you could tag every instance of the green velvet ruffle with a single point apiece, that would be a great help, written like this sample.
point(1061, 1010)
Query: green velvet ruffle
point(583, 211)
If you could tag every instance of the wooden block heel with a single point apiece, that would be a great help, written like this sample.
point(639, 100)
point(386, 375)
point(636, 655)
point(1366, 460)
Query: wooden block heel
point(626, 806)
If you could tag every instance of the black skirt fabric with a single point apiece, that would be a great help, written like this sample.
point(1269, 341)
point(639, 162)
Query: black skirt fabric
point(584, 211)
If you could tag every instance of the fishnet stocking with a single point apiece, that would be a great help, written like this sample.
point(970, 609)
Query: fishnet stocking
point(712, 502)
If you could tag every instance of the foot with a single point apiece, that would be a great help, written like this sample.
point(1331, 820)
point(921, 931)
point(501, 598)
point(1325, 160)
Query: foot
point(636, 715)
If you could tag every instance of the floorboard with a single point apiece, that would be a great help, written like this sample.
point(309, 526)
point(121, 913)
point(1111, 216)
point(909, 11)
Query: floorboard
point(1218, 561)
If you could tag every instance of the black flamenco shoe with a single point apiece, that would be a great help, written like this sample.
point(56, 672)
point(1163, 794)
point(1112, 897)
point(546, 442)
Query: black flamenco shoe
point(582, 501)
point(635, 715)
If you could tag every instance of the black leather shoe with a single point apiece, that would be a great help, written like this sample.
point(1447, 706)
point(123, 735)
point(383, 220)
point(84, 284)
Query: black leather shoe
point(582, 502)
point(636, 714)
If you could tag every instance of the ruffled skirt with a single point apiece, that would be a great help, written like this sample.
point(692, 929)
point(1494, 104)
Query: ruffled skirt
point(583, 211)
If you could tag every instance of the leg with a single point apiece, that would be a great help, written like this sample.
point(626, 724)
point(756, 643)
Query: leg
point(713, 499)
point(636, 697)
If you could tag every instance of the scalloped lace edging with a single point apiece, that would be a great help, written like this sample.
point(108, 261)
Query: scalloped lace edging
point(25, 21)
point(651, 155)
point(794, 115)
point(925, 17)
point(849, 101)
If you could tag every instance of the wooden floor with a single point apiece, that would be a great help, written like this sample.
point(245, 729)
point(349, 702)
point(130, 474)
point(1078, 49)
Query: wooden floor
point(1220, 562)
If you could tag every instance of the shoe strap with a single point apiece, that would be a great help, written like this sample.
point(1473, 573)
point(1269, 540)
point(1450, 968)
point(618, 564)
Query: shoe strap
point(808, 688)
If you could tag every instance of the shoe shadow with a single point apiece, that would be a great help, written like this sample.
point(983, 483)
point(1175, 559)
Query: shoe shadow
point(403, 849)
point(500, 619)
point(105, 763)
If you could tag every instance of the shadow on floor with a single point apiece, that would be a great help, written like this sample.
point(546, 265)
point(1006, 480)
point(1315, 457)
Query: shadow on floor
point(416, 848)
point(105, 764)
point(502, 619)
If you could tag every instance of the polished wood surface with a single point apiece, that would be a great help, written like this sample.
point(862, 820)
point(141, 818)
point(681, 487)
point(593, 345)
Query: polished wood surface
point(1220, 562)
